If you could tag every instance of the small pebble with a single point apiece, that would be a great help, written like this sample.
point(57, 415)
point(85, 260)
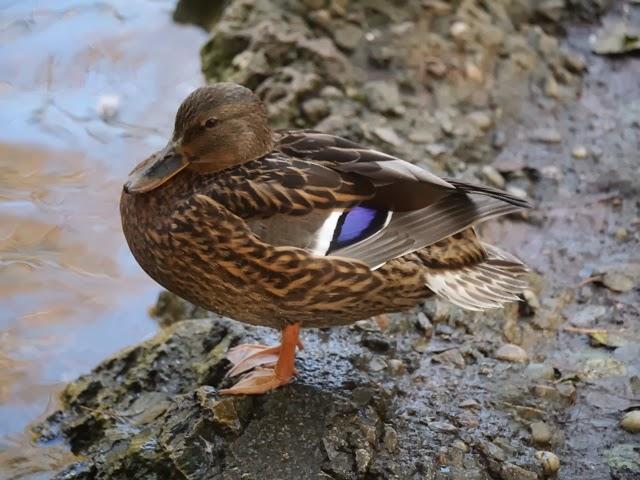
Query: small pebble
point(499, 139)
point(458, 29)
point(480, 119)
point(579, 152)
point(517, 191)
point(473, 72)
point(469, 403)
point(546, 135)
point(388, 134)
point(549, 461)
point(622, 234)
point(396, 367)
point(512, 353)
point(631, 421)
point(442, 427)
point(618, 282)
point(540, 432)
point(532, 299)
point(460, 445)
point(423, 323)
point(493, 176)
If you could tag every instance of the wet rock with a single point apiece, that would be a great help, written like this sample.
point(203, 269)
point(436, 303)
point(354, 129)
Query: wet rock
point(512, 353)
point(540, 432)
point(549, 461)
point(624, 461)
point(631, 421)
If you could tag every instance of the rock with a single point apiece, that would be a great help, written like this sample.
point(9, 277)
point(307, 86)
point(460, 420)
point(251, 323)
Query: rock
point(551, 87)
point(631, 421)
point(480, 119)
point(315, 109)
point(616, 37)
point(517, 191)
point(551, 9)
point(499, 139)
point(618, 282)
point(436, 149)
point(390, 439)
point(442, 427)
point(473, 73)
point(458, 29)
point(376, 342)
point(545, 135)
point(621, 234)
point(579, 152)
point(424, 324)
point(540, 371)
point(363, 458)
point(549, 461)
point(588, 315)
point(624, 461)
point(348, 36)
point(540, 432)
point(382, 96)
point(469, 403)
point(575, 63)
point(493, 176)
point(388, 134)
point(509, 471)
point(512, 353)
point(396, 367)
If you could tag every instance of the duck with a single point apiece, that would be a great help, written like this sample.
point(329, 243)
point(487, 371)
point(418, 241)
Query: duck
point(295, 229)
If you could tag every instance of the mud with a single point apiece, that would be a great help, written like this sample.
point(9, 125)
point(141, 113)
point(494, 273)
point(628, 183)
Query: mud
point(507, 93)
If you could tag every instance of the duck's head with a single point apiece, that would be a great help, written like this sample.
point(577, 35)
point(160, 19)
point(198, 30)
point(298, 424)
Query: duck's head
point(216, 127)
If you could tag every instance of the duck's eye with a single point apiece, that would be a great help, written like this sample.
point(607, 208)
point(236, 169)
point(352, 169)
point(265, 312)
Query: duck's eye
point(211, 122)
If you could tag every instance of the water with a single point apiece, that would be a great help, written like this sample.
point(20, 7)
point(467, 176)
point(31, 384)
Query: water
point(70, 292)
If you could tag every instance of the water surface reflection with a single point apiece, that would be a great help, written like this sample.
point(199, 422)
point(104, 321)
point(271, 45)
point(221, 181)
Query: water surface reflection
point(69, 289)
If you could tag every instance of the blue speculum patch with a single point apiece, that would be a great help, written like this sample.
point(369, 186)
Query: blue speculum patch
point(357, 224)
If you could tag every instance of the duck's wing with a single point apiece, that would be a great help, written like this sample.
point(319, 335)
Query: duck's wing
point(419, 208)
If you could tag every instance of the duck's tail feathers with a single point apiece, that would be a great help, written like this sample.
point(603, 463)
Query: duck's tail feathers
point(490, 284)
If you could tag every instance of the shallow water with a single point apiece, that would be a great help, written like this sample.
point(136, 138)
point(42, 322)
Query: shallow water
point(70, 292)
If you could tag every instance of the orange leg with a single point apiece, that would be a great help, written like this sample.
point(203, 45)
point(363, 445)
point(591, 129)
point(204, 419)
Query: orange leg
point(264, 376)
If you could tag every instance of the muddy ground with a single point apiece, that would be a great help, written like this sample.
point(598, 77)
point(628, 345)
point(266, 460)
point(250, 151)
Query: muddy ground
point(505, 92)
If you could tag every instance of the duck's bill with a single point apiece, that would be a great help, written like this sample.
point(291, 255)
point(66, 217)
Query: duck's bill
point(155, 170)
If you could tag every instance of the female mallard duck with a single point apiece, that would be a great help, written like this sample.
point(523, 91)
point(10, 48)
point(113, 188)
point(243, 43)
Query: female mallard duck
point(303, 229)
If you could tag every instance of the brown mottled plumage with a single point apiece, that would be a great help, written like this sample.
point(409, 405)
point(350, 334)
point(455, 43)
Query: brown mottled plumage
point(303, 229)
